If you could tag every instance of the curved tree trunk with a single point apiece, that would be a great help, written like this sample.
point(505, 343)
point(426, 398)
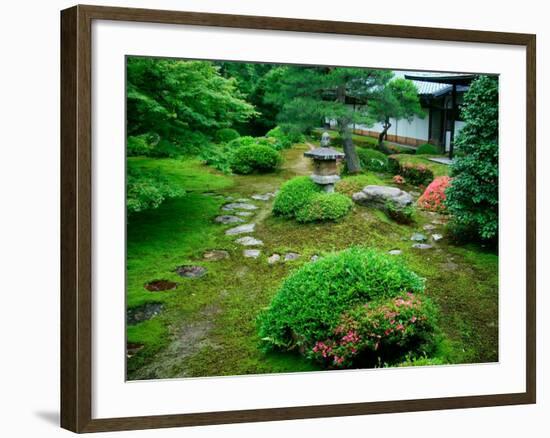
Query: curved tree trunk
point(383, 135)
point(352, 160)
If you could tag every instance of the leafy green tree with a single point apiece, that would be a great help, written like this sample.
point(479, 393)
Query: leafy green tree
point(398, 100)
point(181, 101)
point(307, 96)
point(472, 198)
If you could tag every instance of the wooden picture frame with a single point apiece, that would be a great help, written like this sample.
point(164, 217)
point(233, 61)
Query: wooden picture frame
point(76, 217)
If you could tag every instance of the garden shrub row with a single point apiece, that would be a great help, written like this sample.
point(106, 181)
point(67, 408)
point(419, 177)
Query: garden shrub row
point(413, 173)
point(349, 308)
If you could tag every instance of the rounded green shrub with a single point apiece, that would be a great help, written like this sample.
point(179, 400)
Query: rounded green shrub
point(225, 135)
point(426, 149)
point(284, 140)
point(372, 160)
point(293, 195)
point(241, 141)
point(311, 302)
point(324, 207)
point(255, 158)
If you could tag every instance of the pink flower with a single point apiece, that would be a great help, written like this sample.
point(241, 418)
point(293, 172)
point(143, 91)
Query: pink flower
point(413, 319)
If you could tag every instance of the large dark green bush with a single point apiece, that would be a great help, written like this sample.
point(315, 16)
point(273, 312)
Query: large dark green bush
point(324, 207)
point(225, 135)
point(371, 159)
point(255, 158)
point(427, 149)
point(311, 302)
point(284, 140)
point(293, 195)
point(472, 198)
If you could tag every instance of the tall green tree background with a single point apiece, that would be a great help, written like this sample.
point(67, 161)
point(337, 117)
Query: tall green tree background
point(472, 198)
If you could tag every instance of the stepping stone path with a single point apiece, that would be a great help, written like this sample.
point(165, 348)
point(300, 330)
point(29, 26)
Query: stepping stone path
point(139, 314)
point(274, 258)
point(437, 237)
point(418, 237)
point(228, 219)
point(395, 252)
point(252, 253)
point(244, 213)
point(249, 241)
point(241, 229)
point(289, 256)
point(429, 227)
point(264, 197)
point(160, 285)
point(215, 255)
point(189, 271)
point(422, 246)
point(239, 206)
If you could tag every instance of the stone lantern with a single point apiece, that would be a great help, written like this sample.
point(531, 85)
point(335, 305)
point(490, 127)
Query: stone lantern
point(325, 169)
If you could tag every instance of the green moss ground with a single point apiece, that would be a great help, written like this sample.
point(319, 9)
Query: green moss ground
point(208, 325)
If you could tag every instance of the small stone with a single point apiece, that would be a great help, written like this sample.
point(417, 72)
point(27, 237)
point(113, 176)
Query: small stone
point(190, 271)
point(437, 237)
point(429, 227)
point(249, 241)
point(418, 237)
point(395, 252)
point(244, 213)
point(252, 253)
point(264, 197)
point(274, 258)
point(239, 206)
point(241, 229)
point(160, 285)
point(438, 222)
point(243, 200)
point(229, 198)
point(422, 246)
point(228, 219)
point(289, 256)
point(215, 254)
point(142, 313)
point(314, 258)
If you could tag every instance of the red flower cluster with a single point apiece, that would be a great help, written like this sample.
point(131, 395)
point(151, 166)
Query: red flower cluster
point(398, 179)
point(433, 198)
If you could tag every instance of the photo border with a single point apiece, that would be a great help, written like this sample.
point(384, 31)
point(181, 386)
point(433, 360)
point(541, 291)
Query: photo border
point(76, 217)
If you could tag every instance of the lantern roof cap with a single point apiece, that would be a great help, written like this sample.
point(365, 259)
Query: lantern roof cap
point(324, 153)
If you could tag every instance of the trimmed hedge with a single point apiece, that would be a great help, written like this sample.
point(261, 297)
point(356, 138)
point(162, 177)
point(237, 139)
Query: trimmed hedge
point(372, 160)
point(349, 294)
point(255, 158)
point(324, 207)
point(225, 135)
point(427, 149)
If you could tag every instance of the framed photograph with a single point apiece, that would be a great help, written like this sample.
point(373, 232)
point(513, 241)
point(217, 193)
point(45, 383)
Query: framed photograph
point(272, 218)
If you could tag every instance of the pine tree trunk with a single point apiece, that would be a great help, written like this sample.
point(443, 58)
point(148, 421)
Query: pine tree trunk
point(383, 135)
point(352, 160)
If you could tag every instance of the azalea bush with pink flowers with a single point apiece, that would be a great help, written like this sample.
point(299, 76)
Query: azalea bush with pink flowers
point(357, 306)
point(384, 330)
point(433, 198)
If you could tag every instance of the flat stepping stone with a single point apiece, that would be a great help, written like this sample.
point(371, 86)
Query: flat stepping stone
point(190, 271)
point(429, 227)
point(244, 213)
point(160, 285)
point(249, 241)
point(422, 246)
point(239, 206)
point(438, 222)
point(314, 258)
point(142, 313)
point(289, 256)
point(132, 349)
point(419, 237)
point(243, 200)
point(265, 197)
point(437, 237)
point(252, 253)
point(215, 255)
point(274, 258)
point(228, 219)
point(395, 252)
point(241, 229)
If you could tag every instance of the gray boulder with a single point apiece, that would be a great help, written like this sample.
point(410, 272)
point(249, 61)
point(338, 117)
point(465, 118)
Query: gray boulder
point(377, 196)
